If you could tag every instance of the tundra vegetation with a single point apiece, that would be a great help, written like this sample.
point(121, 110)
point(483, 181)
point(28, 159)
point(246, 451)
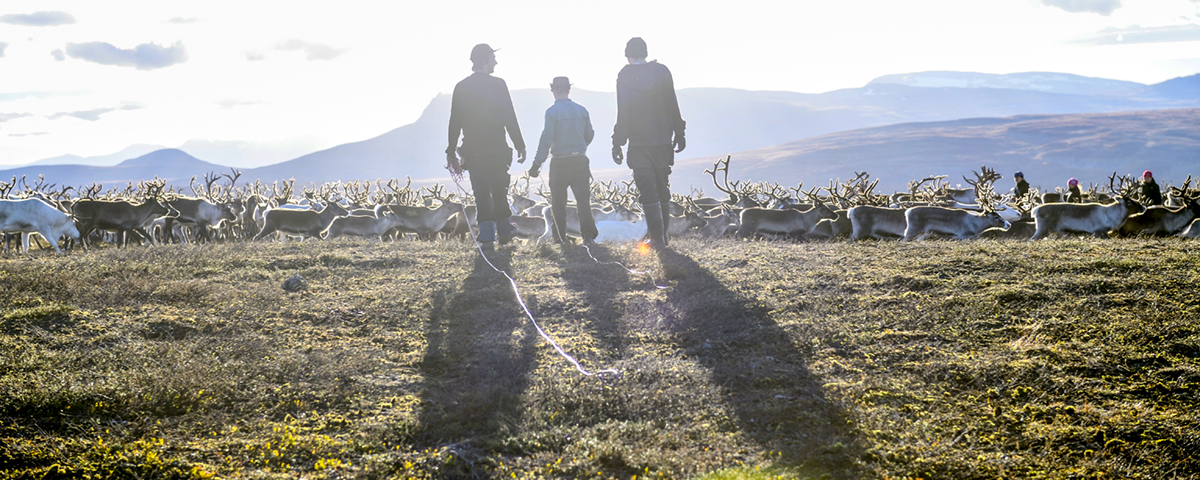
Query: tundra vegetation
point(1064, 358)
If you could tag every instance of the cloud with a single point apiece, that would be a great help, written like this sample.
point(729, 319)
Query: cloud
point(255, 56)
point(182, 20)
point(58, 55)
point(38, 19)
point(1136, 34)
point(4, 117)
point(34, 134)
point(147, 56)
point(2, 47)
point(314, 51)
point(1102, 7)
point(93, 115)
point(230, 103)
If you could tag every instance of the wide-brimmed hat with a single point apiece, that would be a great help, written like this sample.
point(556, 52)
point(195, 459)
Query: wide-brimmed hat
point(482, 52)
point(560, 83)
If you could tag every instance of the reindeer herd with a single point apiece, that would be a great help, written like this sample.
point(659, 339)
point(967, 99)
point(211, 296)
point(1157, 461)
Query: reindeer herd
point(219, 209)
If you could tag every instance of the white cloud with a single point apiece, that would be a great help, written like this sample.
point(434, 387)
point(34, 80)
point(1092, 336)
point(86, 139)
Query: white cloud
point(4, 117)
point(2, 47)
point(1102, 7)
point(314, 51)
point(94, 114)
point(230, 103)
point(58, 55)
point(34, 134)
point(255, 56)
point(38, 19)
point(1136, 34)
point(182, 20)
point(147, 56)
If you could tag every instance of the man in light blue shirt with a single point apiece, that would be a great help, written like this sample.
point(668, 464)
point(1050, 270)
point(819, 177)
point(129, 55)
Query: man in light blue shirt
point(566, 136)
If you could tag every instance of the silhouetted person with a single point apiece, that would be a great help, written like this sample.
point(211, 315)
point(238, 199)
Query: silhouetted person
point(1022, 187)
point(1151, 195)
point(648, 119)
point(567, 134)
point(1074, 195)
point(481, 110)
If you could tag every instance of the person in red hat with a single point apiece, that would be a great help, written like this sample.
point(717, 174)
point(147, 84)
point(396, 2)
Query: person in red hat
point(481, 111)
point(648, 119)
point(1151, 195)
point(1074, 195)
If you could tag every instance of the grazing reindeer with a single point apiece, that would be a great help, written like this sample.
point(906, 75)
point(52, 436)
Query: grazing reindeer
point(869, 221)
point(786, 222)
point(308, 223)
point(1093, 218)
point(122, 216)
point(363, 226)
point(961, 224)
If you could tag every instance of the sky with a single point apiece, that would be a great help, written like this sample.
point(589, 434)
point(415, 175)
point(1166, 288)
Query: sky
point(285, 78)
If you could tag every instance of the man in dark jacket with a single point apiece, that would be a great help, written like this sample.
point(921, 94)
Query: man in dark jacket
point(648, 119)
point(481, 110)
point(1151, 195)
point(1022, 187)
point(567, 134)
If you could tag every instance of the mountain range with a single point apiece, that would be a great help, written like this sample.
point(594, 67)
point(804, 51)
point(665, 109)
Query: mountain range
point(777, 131)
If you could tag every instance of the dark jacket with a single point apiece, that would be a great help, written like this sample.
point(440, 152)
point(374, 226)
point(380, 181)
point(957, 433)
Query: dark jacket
point(1022, 188)
point(1151, 195)
point(482, 110)
point(647, 109)
point(1074, 195)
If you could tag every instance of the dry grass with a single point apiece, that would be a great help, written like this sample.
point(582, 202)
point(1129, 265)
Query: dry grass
point(1054, 359)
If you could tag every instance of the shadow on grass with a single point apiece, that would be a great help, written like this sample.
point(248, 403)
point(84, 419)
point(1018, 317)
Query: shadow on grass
point(599, 284)
point(476, 366)
point(763, 376)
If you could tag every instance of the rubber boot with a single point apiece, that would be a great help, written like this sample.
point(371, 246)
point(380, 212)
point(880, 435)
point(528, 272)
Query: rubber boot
point(666, 216)
point(505, 230)
point(487, 234)
point(654, 225)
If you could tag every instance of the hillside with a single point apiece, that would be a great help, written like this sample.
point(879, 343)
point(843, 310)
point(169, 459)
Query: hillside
point(1049, 149)
point(174, 166)
point(870, 360)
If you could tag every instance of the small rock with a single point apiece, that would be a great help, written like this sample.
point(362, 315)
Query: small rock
point(294, 283)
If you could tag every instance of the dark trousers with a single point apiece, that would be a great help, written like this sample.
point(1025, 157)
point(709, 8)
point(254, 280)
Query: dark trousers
point(490, 186)
point(651, 167)
point(573, 173)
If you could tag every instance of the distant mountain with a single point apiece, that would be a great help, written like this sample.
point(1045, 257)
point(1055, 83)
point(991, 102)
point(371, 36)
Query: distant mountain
point(1049, 149)
point(174, 166)
point(724, 120)
point(127, 153)
point(1181, 88)
point(1036, 81)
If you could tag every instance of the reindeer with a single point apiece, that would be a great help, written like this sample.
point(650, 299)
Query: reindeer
point(1093, 218)
point(735, 190)
point(122, 216)
point(306, 223)
point(959, 223)
point(425, 221)
point(1163, 221)
point(789, 222)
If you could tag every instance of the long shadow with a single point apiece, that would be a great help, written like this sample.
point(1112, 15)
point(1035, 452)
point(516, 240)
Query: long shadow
point(599, 284)
point(763, 376)
point(475, 369)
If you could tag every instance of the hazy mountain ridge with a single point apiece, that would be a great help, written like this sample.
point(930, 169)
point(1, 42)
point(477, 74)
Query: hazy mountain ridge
point(720, 121)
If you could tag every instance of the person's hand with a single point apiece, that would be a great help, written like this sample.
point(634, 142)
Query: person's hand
point(452, 164)
point(520, 156)
point(533, 171)
point(680, 143)
point(617, 154)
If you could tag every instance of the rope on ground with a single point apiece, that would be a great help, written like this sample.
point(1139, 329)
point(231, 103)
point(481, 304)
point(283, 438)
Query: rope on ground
point(521, 300)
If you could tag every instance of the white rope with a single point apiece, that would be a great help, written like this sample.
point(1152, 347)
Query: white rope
point(521, 300)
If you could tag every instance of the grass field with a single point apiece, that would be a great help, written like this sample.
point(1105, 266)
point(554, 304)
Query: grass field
point(1069, 358)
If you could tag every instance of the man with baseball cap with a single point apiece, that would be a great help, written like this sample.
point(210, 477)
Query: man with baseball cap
point(648, 119)
point(481, 110)
point(1151, 195)
point(1022, 187)
point(566, 136)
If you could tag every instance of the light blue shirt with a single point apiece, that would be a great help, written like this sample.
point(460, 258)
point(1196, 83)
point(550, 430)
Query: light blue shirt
point(568, 131)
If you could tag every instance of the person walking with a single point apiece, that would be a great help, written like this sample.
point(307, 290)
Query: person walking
point(566, 135)
point(481, 111)
point(648, 119)
point(1022, 187)
point(1151, 194)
